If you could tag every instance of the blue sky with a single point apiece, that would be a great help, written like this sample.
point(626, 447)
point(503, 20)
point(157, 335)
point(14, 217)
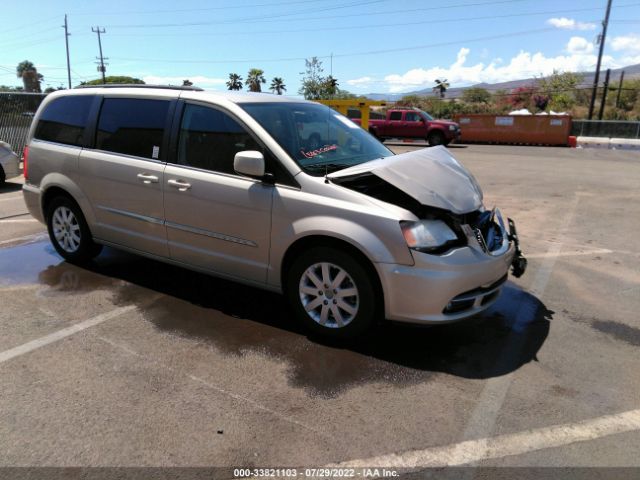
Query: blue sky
point(377, 45)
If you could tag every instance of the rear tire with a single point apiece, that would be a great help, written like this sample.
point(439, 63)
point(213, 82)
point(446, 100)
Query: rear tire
point(331, 293)
point(436, 138)
point(69, 232)
point(3, 176)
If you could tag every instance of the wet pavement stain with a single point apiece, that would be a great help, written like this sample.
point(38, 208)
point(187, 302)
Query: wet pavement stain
point(236, 319)
point(619, 331)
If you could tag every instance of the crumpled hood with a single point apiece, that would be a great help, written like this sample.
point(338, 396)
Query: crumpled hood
point(432, 176)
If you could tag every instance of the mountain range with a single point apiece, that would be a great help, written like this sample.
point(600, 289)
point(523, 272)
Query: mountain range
point(631, 71)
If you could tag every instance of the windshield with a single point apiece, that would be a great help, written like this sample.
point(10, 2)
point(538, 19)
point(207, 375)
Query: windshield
point(318, 138)
point(427, 116)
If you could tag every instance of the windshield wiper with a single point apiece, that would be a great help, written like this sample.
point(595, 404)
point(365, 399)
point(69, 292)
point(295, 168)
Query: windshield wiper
point(326, 167)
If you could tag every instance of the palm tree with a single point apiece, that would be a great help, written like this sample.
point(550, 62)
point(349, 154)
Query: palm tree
point(30, 76)
point(234, 82)
point(278, 86)
point(255, 78)
point(441, 86)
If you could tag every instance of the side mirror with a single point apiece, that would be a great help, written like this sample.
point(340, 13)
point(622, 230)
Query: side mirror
point(249, 163)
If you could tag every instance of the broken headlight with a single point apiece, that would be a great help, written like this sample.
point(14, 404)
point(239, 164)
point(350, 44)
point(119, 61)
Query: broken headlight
point(429, 236)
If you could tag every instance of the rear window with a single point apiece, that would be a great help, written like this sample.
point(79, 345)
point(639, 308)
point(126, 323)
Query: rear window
point(132, 126)
point(63, 120)
point(395, 116)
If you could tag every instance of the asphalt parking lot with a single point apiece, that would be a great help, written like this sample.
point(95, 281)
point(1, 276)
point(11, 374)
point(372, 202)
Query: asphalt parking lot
point(130, 362)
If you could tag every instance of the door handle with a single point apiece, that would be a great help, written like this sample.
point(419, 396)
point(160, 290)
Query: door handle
point(179, 184)
point(146, 178)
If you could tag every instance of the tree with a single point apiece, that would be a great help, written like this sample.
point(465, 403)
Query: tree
point(255, 79)
point(541, 102)
point(312, 83)
point(476, 95)
point(441, 86)
point(115, 79)
point(234, 82)
point(278, 86)
point(521, 97)
point(187, 83)
point(561, 89)
point(330, 87)
point(30, 76)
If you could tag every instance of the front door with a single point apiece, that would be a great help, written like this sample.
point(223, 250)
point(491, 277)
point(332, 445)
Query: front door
point(215, 218)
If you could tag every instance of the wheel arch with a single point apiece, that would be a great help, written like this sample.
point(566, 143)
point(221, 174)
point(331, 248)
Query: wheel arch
point(54, 185)
point(317, 240)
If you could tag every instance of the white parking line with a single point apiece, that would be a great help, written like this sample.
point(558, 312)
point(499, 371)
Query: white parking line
point(218, 389)
point(483, 418)
point(18, 220)
point(504, 445)
point(64, 333)
point(7, 199)
point(35, 237)
point(597, 251)
point(17, 288)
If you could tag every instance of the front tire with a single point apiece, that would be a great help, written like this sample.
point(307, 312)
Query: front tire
point(436, 138)
point(69, 232)
point(331, 293)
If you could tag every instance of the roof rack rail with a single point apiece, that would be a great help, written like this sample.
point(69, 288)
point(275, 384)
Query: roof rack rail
point(406, 108)
point(142, 85)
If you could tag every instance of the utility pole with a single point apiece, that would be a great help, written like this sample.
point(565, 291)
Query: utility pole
point(619, 90)
point(604, 93)
point(66, 41)
point(601, 39)
point(101, 67)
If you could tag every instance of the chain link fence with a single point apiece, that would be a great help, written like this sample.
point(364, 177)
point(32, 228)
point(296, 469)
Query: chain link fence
point(16, 113)
point(605, 128)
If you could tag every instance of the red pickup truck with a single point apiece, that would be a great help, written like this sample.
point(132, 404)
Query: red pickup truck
point(413, 123)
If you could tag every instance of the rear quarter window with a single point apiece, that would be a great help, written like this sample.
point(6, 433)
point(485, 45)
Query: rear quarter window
point(132, 126)
point(64, 119)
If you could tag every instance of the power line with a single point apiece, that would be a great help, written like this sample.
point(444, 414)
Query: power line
point(246, 19)
point(343, 55)
point(186, 10)
point(380, 25)
point(270, 18)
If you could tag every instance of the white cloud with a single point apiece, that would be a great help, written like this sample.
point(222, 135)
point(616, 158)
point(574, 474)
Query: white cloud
point(523, 65)
point(197, 80)
point(626, 43)
point(570, 24)
point(360, 82)
point(579, 45)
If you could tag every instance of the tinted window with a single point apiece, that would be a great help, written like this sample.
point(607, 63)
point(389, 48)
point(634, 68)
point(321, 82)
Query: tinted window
point(395, 116)
point(132, 126)
point(209, 139)
point(64, 119)
point(412, 117)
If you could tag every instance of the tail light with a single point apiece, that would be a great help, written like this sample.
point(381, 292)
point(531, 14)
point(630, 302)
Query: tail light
point(25, 160)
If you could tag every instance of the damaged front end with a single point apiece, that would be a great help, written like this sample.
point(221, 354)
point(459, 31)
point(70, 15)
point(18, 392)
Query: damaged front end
point(433, 186)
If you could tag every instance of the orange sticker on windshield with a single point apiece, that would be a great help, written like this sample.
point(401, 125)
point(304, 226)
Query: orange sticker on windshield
point(318, 151)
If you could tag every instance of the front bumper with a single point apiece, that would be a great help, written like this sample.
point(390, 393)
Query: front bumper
point(456, 285)
point(423, 292)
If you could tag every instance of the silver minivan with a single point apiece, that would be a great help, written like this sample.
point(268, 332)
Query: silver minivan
point(274, 192)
